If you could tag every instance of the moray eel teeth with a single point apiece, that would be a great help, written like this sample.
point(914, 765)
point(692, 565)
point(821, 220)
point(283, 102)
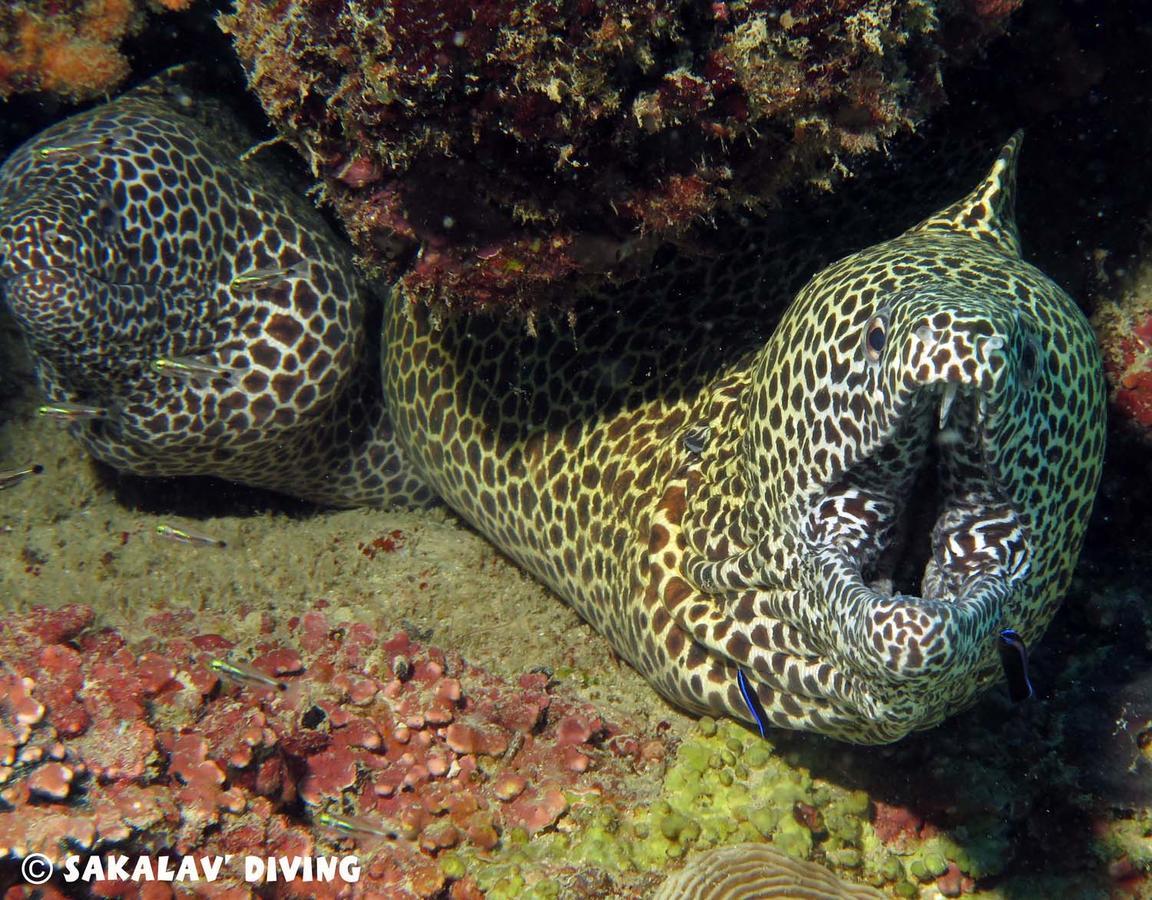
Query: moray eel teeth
point(947, 396)
point(978, 548)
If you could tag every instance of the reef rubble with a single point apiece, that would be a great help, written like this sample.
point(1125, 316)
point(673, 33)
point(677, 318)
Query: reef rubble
point(328, 739)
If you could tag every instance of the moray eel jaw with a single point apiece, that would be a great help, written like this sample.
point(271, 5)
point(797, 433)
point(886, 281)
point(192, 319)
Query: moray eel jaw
point(53, 271)
point(30, 242)
point(935, 369)
point(979, 532)
point(877, 513)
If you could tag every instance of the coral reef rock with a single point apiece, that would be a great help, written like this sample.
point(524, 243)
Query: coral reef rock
point(339, 739)
point(1124, 329)
point(500, 154)
point(69, 47)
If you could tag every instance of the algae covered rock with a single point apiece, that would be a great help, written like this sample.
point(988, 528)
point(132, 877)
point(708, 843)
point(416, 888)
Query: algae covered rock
point(1124, 329)
point(497, 154)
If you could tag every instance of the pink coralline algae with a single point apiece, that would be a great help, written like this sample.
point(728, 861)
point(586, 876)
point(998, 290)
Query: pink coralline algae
point(1124, 331)
point(335, 739)
point(497, 155)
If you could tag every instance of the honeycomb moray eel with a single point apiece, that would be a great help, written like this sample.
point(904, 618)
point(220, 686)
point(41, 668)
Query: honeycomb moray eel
point(716, 492)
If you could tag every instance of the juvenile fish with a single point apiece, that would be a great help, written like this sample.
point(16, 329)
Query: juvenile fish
point(72, 412)
point(12, 477)
point(696, 442)
point(191, 367)
point(183, 536)
point(245, 673)
point(1014, 659)
point(257, 279)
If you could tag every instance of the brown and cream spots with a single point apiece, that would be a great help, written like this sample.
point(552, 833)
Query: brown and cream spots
point(188, 218)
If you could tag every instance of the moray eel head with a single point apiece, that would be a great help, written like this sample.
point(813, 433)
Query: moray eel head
point(203, 314)
point(935, 457)
point(59, 259)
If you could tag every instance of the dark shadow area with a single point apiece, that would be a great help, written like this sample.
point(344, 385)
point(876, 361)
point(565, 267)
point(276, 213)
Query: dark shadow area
point(197, 497)
point(1077, 77)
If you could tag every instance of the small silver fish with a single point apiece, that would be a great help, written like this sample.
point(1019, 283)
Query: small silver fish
point(245, 673)
point(192, 368)
point(81, 147)
point(183, 536)
point(72, 412)
point(257, 279)
point(12, 477)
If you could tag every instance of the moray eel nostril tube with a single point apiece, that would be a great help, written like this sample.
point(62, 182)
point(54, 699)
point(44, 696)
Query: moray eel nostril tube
point(840, 514)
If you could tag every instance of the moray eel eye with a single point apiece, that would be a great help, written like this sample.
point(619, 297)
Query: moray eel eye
point(874, 337)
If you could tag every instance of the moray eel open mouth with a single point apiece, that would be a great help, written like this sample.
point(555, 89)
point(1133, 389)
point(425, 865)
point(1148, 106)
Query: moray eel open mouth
point(978, 533)
point(926, 517)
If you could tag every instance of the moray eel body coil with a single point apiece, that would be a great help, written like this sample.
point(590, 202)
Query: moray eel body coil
point(846, 505)
point(135, 233)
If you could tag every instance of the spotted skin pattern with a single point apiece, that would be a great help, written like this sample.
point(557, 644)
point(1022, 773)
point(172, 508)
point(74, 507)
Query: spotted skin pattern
point(122, 231)
point(713, 490)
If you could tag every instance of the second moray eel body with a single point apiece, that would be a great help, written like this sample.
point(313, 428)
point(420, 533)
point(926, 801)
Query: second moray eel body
point(714, 492)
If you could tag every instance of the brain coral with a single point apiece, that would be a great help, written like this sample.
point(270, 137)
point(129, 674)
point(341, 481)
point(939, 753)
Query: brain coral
point(496, 154)
point(757, 872)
